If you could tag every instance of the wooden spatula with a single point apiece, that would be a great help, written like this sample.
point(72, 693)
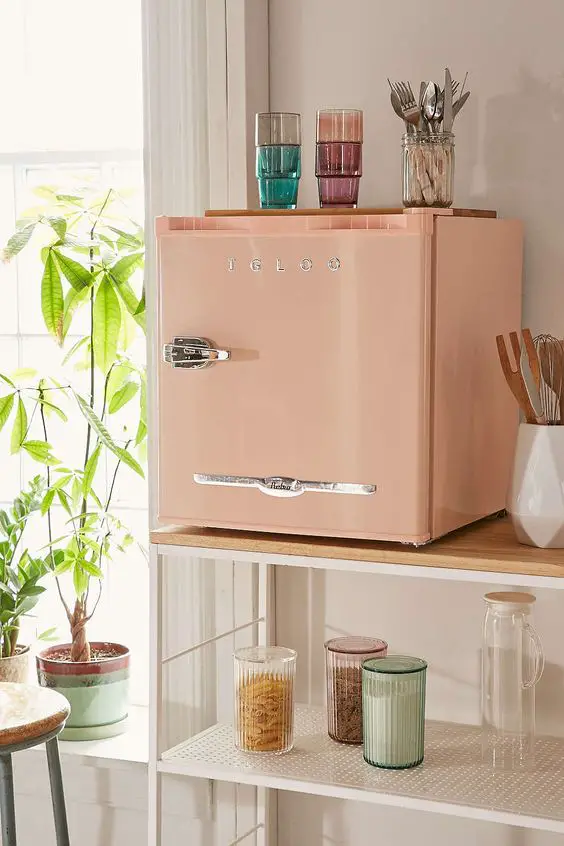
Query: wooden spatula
point(514, 378)
point(531, 372)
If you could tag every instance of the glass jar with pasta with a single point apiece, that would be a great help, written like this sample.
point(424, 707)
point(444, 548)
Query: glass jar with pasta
point(264, 698)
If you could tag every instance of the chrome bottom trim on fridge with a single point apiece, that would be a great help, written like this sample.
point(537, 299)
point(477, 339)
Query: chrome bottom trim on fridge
point(283, 486)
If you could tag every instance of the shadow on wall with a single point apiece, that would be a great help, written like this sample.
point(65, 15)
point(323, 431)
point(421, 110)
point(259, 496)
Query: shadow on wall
point(522, 151)
point(549, 698)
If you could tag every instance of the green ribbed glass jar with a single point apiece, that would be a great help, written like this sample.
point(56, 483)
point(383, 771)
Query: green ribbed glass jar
point(393, 708)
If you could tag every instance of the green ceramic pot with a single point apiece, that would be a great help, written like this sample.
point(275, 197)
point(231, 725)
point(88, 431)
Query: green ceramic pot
point(97, 690)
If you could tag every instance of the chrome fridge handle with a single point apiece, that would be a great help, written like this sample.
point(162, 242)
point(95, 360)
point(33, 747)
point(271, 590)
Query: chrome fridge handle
point(193, 353)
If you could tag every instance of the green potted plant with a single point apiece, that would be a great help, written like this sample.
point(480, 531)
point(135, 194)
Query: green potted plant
point(20, 574)
point(90, 253)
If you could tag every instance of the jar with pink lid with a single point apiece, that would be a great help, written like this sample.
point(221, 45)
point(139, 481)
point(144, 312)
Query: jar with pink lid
point(343, 659)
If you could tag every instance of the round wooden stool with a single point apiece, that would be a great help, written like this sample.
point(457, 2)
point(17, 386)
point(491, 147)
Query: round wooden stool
point(30, 716)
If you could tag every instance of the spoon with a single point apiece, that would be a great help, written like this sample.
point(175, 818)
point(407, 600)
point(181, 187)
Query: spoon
point(431, 107)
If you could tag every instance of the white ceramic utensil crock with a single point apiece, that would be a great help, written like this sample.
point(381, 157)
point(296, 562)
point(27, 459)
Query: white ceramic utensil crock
point(536, 498)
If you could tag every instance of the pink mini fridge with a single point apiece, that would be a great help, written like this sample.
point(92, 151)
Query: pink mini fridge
point(335, 374)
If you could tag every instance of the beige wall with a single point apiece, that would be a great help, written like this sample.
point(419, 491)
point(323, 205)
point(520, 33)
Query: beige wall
point(509, 137)
point(509, 140)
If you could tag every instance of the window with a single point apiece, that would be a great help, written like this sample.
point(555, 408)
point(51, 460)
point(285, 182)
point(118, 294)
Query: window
point(71, 93)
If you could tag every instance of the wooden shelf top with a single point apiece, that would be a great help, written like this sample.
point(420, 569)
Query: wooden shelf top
point(489, 546)
point(346, 212)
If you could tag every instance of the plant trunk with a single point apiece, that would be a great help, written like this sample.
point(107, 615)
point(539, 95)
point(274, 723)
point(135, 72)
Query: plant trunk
point(13, 638)
point(80, 648)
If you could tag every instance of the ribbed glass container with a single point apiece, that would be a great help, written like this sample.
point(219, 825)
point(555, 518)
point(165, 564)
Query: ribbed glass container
point(428, 170)
point(264, 698)
point(338, 156)
point(393, 706)
point(343, 663)
point(278, 159)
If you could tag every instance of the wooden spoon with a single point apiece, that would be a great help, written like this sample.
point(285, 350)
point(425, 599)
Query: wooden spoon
point(514, 378)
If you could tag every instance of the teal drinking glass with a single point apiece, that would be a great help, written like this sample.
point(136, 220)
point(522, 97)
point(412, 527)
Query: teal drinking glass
point(393, 711)
point(279, 154)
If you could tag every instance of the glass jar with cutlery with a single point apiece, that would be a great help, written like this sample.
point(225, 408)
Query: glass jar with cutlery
point(428, 170)
point(428, 143)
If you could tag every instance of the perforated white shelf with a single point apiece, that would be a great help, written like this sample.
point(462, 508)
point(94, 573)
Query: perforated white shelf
point(452, 780)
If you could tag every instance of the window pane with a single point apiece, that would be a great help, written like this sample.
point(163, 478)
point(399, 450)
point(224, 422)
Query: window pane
point(8, 279)
point(71, 75)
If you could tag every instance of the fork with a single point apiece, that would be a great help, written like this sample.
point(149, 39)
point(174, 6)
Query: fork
point(410, 110)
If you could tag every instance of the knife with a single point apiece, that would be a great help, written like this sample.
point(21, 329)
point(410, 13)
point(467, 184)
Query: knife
point(447, 113)
point(459, 103)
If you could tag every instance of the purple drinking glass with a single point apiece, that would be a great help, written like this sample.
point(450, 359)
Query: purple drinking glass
point(338, 158)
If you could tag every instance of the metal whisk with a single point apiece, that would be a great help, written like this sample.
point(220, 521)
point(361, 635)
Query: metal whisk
point(550, 351)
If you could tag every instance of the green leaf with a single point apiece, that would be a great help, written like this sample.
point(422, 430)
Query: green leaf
point(128, 459)
point(57, 224)
point(92, 569)
point(80, 580)
point(31, 590)
point(129, 329)
point(74, 272)
point(106, 438)
point(141, 433)
point(90, 471)
point(52, 302)
point(63, 567)
point(126, 239)
point(49, 406)
point(25, 606)
point(48, 634)
point(107, 319)
point(19, 239)
point(73, 199)
point(46, 192)
point(75, 348)
point(126, 266)
point(73, 301)
point(76, 492)
point(47, 501)
point(40, 451)
point(65, 501)
point(6, 405)
point(130, 301)
point(24, 373)
point(142, 305)
point(61, 482)
point(142, 451)
point(123, 396)
point(7, 381)
point(19, 429)
point(5, 524)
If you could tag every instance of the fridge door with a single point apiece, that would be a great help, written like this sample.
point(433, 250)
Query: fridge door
point(293, 379)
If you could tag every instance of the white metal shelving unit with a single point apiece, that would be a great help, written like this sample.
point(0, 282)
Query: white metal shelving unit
point(452, 780)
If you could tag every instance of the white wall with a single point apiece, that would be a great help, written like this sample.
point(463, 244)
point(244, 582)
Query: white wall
point(106, 804)
point(508, 145)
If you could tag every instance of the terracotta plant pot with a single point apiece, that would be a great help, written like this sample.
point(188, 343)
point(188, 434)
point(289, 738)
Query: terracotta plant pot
point(16, 667)
point(97, 690)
